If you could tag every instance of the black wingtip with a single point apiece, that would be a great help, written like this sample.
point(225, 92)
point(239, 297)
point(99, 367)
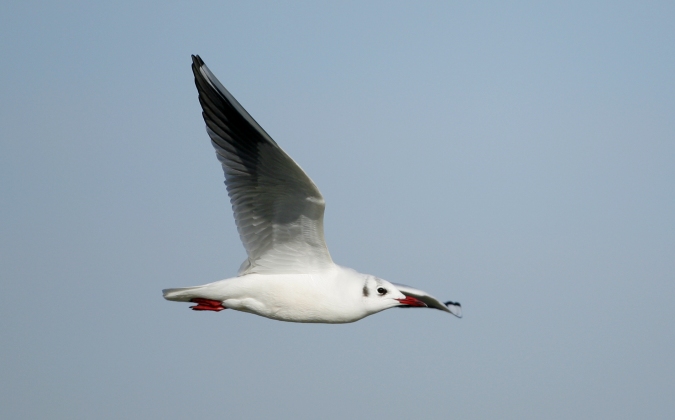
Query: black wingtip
point(455, 308)
point(197, 60)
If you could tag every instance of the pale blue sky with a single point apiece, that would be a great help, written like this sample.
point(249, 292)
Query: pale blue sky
point(515, 156)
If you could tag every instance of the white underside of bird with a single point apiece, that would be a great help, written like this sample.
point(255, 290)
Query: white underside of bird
point(289, 274)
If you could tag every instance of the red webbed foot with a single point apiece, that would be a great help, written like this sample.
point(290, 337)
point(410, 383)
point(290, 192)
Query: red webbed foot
point(207, 305)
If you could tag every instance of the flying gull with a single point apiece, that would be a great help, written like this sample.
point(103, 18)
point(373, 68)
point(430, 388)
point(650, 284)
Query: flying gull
point(289, 274)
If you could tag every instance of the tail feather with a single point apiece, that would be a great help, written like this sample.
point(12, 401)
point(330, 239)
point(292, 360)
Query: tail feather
point(182, 294)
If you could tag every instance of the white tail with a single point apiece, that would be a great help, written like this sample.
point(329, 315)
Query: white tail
point(182, 294)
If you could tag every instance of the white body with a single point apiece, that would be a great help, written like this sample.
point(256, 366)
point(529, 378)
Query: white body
point(332, 296)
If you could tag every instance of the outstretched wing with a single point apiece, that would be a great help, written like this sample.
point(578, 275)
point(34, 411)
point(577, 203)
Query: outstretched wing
point(452, 307)
point(277, 208)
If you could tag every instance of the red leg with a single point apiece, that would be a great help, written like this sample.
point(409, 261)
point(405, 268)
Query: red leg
point(207, 305)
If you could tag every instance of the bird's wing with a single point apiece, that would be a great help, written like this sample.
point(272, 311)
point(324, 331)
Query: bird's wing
point(452, 307)
point(277, 208)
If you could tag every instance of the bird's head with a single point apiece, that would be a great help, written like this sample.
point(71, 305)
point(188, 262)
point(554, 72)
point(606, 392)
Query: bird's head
point(379, 295)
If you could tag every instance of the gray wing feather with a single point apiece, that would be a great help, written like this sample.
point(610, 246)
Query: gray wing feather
point(277, 208)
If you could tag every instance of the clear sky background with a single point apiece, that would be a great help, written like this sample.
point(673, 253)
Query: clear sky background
point(518, 157)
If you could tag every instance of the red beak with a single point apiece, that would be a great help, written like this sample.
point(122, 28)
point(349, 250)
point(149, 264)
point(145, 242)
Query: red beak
point(411, 301)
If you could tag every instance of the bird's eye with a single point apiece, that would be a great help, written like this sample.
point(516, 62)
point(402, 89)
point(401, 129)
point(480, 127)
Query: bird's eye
point(381, 290)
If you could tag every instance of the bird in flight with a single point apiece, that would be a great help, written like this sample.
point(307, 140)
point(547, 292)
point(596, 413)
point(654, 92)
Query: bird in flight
point(289, 274)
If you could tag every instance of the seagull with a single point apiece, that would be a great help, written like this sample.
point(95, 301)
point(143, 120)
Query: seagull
point(289, 274)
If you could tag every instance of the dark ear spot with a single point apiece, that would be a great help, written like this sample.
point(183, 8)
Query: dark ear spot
point(365, 290)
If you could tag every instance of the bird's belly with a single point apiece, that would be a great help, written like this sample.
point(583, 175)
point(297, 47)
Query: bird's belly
point(295, 310)
point(292, 298)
